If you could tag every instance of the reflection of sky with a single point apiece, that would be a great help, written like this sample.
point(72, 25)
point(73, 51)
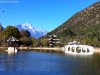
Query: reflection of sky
point(47, 14)
point(49, 64)
point(6, 63)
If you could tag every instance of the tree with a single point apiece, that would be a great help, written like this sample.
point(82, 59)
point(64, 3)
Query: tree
point(1, 34)
point(45, 42)
point(25, 41)
point(22, 33)
point(95, 42)
point(3, 38)
point(67, 32)
point(37, 43)
point(1, 28)
point(25, 38)
point(25, 33)
point(12, 31)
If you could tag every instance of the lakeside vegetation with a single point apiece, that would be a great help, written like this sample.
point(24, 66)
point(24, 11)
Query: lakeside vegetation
point(23, 36)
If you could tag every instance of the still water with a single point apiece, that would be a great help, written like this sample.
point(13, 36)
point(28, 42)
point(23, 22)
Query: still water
point(41, 63)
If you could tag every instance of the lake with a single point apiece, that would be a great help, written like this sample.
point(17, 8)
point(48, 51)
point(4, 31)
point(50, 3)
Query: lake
point(41, 63)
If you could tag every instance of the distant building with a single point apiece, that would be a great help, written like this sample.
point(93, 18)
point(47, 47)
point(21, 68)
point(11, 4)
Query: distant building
point(53, 40)
point(12, 41)
point(74, 43)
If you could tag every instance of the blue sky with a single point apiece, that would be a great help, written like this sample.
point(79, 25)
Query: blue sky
point(46, 14)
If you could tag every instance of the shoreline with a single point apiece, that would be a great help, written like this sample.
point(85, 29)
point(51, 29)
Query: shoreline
point(46, 49)
point(41, 49)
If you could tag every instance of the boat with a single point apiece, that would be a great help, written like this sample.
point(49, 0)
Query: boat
point(74, 48)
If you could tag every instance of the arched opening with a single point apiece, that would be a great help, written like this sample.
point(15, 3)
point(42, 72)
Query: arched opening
point(88, 50)
point(83, 50)
point(68, 48)
point(78, 49)
point(73, 49)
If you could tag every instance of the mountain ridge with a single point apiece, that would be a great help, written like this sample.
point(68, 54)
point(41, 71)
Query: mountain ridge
point(35, 32)
point(81, 15)
point(82, 26)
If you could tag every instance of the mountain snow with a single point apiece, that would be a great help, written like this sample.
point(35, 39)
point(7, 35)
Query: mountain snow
point(35, 32)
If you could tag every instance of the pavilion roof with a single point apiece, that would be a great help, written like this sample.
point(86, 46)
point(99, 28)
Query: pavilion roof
point(12, 39)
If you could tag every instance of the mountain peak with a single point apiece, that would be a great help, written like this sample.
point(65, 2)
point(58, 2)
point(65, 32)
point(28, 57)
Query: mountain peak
point(35, 32)
point(27, 26)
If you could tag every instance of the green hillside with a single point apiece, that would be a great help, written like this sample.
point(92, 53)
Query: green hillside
point(84, 27)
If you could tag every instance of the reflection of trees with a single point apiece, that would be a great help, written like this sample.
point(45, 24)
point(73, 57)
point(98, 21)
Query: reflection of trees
point(96, 64)
point(74, 64)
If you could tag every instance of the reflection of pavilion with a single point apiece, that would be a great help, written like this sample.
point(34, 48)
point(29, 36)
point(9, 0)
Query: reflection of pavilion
point(11, 43)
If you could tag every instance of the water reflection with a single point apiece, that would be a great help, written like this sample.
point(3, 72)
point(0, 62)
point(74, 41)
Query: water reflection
point(9, 62)
point(96, 64)
point(77, 65)
point(11, 51)
point(38, 63)
point(6, 61)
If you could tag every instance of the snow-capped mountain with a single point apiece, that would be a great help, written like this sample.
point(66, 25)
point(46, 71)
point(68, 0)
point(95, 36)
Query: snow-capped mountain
point(35, 32)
